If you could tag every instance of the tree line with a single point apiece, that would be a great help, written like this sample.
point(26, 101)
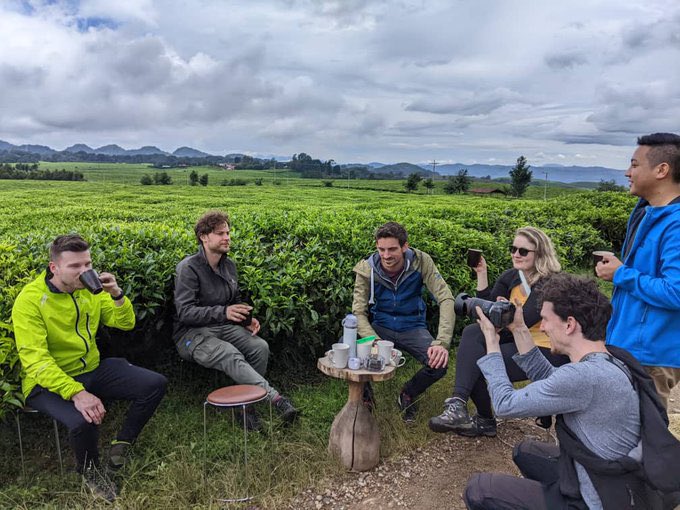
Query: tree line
point(33, 172)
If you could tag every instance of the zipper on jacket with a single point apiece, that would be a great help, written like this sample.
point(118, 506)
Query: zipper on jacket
point(87, 347)
point(87, 326)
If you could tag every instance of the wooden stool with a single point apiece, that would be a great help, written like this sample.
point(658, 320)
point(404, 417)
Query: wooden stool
point(30, 410)
point(355, 436)
point(240, 395)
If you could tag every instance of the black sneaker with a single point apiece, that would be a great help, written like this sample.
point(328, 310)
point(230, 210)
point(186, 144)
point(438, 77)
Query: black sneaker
point(286, 409)
point(118, 454)
point(480, 427)
point(101, 486)
point(484, 426)
point(253, 423)
point(455, 417)
point(408, 407)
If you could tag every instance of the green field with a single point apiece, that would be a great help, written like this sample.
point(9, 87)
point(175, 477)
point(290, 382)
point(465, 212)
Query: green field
point(295, 244)
point(132, 173)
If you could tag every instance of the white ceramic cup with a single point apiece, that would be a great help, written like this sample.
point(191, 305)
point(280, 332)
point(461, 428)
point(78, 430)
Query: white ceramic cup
point(339, 354)
point(397, 359)
point(385, 350)
point(363, 350)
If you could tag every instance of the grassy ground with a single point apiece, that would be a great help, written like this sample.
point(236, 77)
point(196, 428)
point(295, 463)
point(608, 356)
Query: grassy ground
point(166, 470)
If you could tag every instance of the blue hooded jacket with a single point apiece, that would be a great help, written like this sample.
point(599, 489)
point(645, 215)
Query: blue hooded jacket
point(646, 299)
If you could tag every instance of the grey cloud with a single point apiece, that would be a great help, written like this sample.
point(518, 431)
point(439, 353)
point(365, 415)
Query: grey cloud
point(565, 60)
point(141, 82)
point(481, 103)
point(617, 139)
point(13, 77)
point(634, 108)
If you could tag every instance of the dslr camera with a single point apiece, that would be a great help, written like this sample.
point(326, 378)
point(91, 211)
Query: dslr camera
point(500, 313)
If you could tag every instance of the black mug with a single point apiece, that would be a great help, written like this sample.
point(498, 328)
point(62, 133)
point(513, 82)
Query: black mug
point(246, 300)
point(90, 279)
point(473, 257)
point(249, 318)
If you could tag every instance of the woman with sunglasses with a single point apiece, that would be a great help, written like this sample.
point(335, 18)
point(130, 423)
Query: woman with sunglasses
point(533, 258)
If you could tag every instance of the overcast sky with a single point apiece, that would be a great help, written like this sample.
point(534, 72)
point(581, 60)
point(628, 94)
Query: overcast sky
point(470, 81)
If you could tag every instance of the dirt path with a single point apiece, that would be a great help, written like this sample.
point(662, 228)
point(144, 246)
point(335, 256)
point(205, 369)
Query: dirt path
point(433, 477)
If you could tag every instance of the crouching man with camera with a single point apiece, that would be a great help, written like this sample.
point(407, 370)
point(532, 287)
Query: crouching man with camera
point(615, 448)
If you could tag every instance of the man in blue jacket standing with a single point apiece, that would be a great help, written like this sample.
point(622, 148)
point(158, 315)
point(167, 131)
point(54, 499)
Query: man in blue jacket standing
point(646, 299)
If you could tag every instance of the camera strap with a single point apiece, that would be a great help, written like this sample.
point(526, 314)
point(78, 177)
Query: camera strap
point(525, 284)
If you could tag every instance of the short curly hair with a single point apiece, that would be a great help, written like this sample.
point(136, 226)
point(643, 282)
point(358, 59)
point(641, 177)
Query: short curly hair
point(580, 298)
point(392, 229)
point(209, 222)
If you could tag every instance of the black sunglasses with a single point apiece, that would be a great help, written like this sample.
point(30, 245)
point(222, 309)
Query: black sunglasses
point(522, 251)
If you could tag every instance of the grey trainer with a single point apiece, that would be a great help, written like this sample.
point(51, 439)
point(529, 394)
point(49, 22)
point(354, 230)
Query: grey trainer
point(455, 417)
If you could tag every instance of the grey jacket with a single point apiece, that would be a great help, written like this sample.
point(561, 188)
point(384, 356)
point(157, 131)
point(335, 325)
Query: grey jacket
point(201, 294)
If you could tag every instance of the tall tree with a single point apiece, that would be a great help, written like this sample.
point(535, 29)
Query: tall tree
point(520, 177)
point(429, 184)
point(458, 183)
point(193, 178)
point(412, 182)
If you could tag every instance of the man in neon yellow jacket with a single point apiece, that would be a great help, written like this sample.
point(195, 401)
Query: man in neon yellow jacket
point(55, 324)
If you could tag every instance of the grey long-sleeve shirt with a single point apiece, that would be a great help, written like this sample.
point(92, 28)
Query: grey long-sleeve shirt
point(594, 395)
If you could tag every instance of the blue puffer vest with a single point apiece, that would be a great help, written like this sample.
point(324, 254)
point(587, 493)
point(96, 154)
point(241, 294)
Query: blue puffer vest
point(397, 306)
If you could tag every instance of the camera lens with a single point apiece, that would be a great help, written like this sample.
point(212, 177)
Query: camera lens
point(500, 313)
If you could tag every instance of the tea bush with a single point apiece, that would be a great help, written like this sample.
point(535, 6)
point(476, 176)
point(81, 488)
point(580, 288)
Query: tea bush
point(294, 248)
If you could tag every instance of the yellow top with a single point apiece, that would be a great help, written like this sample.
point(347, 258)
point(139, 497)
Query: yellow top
point(540, 338)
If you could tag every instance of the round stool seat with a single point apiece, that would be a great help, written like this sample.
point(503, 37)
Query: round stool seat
point(239, 394)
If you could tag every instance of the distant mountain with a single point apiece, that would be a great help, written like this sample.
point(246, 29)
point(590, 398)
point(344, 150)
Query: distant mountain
point(80, 147)
point(559, 173)
point(188, 152)
point(375, 164)
point(36, 149)
point(6, 146)
point(147, 149)
point(403, 169)
point(111, 150)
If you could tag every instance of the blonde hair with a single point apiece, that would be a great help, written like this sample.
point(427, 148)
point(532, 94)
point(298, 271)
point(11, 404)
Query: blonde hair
point(545, 257)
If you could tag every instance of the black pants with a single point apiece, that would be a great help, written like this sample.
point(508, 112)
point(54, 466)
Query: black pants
point(470, 382)
point(113, 379)
point(492, 491)
point(416, 342)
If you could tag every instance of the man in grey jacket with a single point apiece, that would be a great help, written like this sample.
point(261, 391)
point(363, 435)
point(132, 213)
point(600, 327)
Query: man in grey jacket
point(213, 326)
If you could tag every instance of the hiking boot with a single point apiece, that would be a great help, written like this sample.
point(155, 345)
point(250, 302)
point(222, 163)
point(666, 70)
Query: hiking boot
point(455, 417)
point(253, 423)
point(480, 427)
point(367, 397)
point(99, 483)
point(118, 454)
point(408, 408)
point(286, 409)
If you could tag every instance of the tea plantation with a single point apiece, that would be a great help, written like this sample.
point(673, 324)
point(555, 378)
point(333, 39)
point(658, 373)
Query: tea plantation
point(295, 248)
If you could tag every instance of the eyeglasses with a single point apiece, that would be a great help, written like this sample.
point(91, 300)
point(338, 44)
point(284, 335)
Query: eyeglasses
point(523, 252)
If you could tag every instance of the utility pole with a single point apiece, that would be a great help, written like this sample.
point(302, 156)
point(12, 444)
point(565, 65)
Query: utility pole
point(545, 186)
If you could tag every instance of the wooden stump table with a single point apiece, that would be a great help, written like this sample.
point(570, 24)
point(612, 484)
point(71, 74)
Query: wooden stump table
point(355, 437)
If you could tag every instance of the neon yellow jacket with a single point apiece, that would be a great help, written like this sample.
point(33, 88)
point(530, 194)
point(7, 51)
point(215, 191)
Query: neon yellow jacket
point(55, 334)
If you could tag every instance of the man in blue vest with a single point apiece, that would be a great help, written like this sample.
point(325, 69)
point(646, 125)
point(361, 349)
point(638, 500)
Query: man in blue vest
point(388, 303)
